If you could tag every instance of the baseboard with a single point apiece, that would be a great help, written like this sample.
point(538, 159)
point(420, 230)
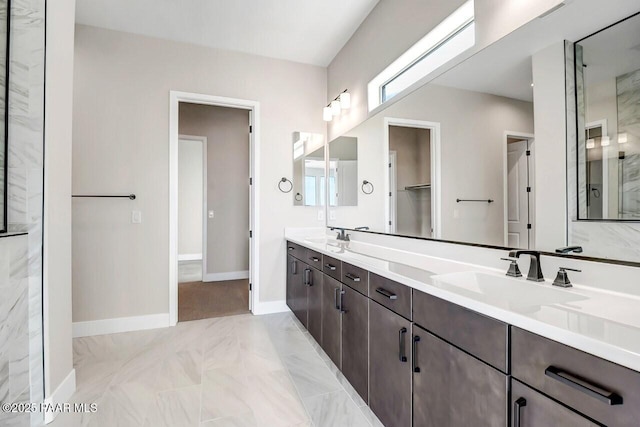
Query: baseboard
point(231, 275)
point(270, 307)
point(190, 257)
point(121, 324)
point(62, 394)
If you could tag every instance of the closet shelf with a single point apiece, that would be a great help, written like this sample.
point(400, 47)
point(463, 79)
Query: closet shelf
point(418, 187)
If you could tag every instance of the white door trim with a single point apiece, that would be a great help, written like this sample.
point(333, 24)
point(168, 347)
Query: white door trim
point(436, 175)
point(175, 97)
point(203, 254)
point(393, 192)
point(505, 185)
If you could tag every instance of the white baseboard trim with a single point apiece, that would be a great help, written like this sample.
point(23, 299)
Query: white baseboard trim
point(62, 394)
point(121, 324)
point(190, 257)
point(231, 275)
point(270, 307)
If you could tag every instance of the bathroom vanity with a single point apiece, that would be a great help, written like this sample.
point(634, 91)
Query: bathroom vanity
point(452, 344)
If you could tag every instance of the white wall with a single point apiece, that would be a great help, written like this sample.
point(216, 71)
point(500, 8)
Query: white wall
point(121, 145)
point(393, 26)
point(472, 137)
point(190, 196)
point(57, 200)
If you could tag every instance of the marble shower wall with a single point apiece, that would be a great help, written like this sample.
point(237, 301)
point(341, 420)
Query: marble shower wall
point(14, 331)
point(615, 239)
point(26, 155)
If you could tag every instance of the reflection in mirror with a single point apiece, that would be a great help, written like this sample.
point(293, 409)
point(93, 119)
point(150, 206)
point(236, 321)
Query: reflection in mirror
point(608, 81)
point(308, 169)
point(343, 171)
point(4, 51)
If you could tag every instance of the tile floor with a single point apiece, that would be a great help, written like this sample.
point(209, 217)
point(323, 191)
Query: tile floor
point(236, 371)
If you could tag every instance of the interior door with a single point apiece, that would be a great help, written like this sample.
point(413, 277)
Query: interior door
point(518, 195)
point(251, 204)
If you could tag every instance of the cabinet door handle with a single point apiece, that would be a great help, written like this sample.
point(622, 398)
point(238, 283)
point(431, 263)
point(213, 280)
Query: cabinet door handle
point(342, 302)
point(584, 386)
point(352, 277)
point(401, 334)
point(314, 259)
point(517, 407)
point(416, 340)
point(330, 267)
point(335, 298)
point(386, 293)
point(294, 267)
point(309, 277)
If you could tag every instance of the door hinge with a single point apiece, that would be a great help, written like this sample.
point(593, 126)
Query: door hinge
point(250, 129)
point(250, 181)
point(250, 234)
point(249, 286)
point(389, 222)
point(389, 193)
point(528, 226)
point(528, 152)
point(528, 189)
point(389, 164)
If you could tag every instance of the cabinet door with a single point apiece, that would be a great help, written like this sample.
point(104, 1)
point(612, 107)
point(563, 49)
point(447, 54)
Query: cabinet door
point(300, 304)
point(452, 388)
point(293, 274)
point(532, 409)
point(314, 304)
point(355, 340)
point(331, 319)
point(389, 366)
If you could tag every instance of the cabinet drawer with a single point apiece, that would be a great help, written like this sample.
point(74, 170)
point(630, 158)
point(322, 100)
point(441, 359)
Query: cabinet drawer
point(296, 251)
point(483, 337)
point(314, 259)
point(356, 277)
point(332, 267)
point(602, 390)
point(393, 295)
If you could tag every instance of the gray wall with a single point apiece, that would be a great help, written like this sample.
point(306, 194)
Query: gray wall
point(227, 132)
point(121, 144)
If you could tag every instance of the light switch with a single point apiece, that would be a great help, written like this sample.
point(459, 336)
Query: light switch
point(136, 217)
point(321, 215)
point(332, 215)
point(211, 214)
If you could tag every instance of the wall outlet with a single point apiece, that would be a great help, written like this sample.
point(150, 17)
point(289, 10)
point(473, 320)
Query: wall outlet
point(136, 217)
point(211, 214)
point(321, 215)
point(332, 215)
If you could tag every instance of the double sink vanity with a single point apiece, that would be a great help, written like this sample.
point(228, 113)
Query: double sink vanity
point(428, 341)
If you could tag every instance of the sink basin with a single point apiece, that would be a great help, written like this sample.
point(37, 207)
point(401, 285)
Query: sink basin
point(516, 294)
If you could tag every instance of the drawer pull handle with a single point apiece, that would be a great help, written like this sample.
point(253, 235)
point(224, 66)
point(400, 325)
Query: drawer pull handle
point(314, 259)
point(584, 386)
point(401, 334)
point(291, 248)
point(517, 408)
point(352, 277)
point(416, 340)
point(331, 267)
point(386, 293)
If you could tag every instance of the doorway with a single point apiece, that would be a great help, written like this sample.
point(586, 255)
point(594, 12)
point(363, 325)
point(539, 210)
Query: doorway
point(518, 191)
point(218, 165)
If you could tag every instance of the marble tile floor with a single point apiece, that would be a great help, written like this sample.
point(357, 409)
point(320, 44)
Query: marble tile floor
point(237, 371)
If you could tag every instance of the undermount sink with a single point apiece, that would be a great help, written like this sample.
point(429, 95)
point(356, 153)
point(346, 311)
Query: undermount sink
point(507, 292)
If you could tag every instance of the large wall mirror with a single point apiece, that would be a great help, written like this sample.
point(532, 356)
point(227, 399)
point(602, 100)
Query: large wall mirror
point(343, 171)
point(308, 169)
point(481, 154)
point(4, 110)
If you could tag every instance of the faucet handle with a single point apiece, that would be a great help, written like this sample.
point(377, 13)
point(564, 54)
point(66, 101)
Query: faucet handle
point(562, 279)
point(514, 270)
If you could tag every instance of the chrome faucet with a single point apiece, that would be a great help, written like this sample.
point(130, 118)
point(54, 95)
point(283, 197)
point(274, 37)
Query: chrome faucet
point(535, 272)
point(342, 235)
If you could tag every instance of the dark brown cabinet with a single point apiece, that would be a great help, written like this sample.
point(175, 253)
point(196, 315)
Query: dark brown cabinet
point(452, 388)
point(332, 319)
point(355, 340)
point(532, 409)
point(389, 366)
point(314, 304)
point(297, 271)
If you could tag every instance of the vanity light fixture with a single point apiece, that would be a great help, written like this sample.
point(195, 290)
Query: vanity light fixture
point(623, 138)
point(591, 143)
point(335, 107)
point(605, 141)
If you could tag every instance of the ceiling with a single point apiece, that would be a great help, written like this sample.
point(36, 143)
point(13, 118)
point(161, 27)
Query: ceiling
point(307, 31)
point(504, 68)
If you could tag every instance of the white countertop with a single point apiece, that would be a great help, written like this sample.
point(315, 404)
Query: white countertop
point(602, 323)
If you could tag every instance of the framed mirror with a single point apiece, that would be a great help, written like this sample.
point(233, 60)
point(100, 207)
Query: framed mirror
point(308, 169)
point(4, 110)
point(343, 172)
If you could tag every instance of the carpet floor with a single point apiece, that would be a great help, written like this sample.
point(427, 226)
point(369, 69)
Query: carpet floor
point(198, 300)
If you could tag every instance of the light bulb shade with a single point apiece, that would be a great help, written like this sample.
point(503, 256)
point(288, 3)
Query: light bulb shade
point(345, 100)
point(623, 138)
point(605, 141)
point(335, 107)
point(327, 115)
point(591, 143)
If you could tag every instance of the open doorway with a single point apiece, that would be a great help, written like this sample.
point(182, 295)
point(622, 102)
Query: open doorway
point(519, 191)
point(213, 210)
